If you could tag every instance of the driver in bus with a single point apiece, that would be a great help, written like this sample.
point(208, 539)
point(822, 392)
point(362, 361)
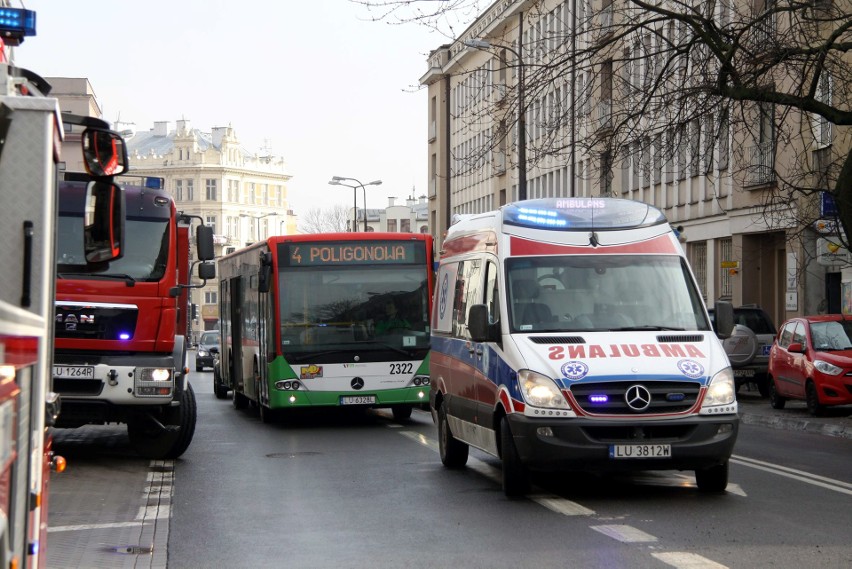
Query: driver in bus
point(391, 320)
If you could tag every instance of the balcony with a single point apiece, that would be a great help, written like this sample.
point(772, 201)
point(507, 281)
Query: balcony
point(760, 165)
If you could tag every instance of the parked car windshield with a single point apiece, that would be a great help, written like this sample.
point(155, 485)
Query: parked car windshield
point(831, 335)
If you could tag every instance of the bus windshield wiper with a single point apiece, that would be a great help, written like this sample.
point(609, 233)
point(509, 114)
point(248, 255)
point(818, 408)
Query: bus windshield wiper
point(130, 281)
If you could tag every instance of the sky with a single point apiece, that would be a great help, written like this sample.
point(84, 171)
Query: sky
point(317, 81)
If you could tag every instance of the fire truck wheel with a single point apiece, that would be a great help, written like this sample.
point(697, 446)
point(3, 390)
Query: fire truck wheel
point(150, 441)
point(453, 452)
point(516, 481)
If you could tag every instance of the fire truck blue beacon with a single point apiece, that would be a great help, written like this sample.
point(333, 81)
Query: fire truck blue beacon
point(569, 334)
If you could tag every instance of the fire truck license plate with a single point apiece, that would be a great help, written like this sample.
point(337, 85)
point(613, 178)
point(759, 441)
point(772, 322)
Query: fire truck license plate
point(640, 451)
point(358, 400)
point(74, 372)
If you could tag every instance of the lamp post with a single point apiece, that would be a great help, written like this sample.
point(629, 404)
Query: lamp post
point(522, 122)
point(256, 218)
point(338, 181)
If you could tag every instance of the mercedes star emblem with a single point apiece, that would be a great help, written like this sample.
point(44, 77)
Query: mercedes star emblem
point(357, 383)
point(637, 397)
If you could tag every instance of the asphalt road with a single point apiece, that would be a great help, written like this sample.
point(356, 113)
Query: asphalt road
point(361, 490)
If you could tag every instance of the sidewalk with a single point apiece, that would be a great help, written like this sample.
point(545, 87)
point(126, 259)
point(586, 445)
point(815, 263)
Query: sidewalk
point(754, 410)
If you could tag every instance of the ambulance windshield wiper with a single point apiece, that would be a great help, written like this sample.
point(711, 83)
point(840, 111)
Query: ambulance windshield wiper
point(645, 327)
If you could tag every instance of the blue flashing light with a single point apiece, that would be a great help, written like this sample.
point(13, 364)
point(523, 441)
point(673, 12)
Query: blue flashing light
point(17, 23)
point(582, 214)
point(598, 399)
point(123, 336)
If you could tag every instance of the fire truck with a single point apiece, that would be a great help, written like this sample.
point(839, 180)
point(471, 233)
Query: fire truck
point(31, 135)
point(121, 331)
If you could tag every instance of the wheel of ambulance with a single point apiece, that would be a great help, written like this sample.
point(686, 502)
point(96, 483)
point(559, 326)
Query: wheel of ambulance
point(713, 479)
point(516, 480)
point(815, 408)
point(401, 412)
point(775, 400)
point(151, 441)
point(453, 452)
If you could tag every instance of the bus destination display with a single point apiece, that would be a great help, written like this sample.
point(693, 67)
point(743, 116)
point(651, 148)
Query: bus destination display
point(351, 253)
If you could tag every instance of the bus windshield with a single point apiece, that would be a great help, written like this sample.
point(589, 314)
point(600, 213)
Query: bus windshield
point(146, 251)
point(375, 307)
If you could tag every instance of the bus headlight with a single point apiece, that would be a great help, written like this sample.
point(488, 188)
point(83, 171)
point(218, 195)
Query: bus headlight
point(540, 390)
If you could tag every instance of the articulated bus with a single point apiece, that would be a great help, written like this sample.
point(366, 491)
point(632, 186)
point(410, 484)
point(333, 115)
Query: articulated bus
point(325, 320)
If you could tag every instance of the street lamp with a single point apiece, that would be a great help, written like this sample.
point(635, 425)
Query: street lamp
point(338, 181)
point(522, 122)
point(257, 217)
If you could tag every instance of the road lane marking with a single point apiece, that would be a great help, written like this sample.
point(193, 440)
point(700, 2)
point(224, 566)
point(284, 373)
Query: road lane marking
point(625, 534)
point(683, 560)
point(800, 475)
point(81, 527)
point(561, 505)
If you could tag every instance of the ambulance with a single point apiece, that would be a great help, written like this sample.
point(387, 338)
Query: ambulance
point(569, 334)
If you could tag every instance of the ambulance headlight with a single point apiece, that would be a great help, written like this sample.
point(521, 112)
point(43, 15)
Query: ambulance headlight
point(721, 390)
point(541, 391)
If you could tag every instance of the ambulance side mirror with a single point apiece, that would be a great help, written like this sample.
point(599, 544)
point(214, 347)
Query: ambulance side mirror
point(103, 222)
point(724, 314)
point(477, 324)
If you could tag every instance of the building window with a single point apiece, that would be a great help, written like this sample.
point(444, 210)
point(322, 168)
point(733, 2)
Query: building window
point(210, 189)
point(726, 254)
point(189, 191)
point(179, 190)
point(698, 260)
point(210, 297)
point(392, 225)
point(250, 190)
point(405, 225)
point(211, 221)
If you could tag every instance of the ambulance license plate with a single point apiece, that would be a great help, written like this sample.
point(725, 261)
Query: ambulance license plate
point(743, 373)
point(640, 451)
point(74, 372)
point(358, 400)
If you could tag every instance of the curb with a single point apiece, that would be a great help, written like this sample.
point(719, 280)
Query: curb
point(802, 425)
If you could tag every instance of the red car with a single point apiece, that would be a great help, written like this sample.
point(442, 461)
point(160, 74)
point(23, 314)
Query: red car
point(811, 359)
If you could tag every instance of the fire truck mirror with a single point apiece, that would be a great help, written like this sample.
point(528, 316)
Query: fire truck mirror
point(104, 152)
point(103, 223)
point(204, 242)
point(206, 270)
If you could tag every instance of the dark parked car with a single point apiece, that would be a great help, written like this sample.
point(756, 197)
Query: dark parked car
point(812, 360)
point(748, 347)
point(208, 343)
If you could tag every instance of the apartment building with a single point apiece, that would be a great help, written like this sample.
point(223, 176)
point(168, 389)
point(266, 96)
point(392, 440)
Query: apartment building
point(410, 217)
point(716, 176)
point(241, 194)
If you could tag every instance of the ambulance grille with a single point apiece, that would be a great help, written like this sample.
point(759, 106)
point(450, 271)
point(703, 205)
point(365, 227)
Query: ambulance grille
point(557, 340)
point(681, 339)
point(611, 397)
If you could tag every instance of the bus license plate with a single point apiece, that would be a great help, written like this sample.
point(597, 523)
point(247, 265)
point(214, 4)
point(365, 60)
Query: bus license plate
point(75, 372)
point(358, 400)
point(640, 451)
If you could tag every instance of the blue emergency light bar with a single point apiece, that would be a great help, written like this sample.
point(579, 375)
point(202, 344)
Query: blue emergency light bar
point(17, 23)
point(574, 214)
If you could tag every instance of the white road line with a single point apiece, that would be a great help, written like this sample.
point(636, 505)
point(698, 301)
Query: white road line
point(561, 505)
point(800, 475)
point(52, 529)
point(683, 560)
point(625, 534)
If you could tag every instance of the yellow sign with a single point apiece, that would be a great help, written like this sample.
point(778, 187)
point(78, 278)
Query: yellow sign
point(730, 264)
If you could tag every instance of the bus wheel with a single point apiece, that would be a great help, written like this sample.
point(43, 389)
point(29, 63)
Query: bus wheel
point(453, 452)
point(220, 390)
point(516, 481)
point(401, 412)
point(239, 400)
point(153, 441)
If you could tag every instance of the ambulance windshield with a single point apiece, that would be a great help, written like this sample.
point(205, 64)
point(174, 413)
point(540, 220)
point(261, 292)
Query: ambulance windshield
point(603, 292)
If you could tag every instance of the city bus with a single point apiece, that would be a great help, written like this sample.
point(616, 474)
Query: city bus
point(326, 320)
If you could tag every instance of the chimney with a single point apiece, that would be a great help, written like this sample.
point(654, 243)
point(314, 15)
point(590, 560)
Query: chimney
point(391, 201)
point(161, 128)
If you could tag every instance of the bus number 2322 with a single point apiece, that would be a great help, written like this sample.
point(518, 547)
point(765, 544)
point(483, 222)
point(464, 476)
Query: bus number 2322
point(401, 368)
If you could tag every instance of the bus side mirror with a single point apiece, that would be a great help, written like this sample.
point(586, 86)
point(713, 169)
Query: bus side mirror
point(104, 152)
point(724, 313)
point(103, 222)
point(204, 242)
point(477, 324)
point(206, 270)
